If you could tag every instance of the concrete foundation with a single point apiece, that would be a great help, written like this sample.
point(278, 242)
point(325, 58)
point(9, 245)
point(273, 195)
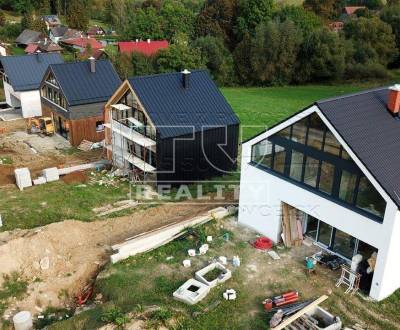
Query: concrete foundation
point(191, 292)
point(225, 274)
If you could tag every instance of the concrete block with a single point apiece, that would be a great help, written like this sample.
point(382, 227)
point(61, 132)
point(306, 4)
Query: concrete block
point(23, 177)
point(39, 180)
point(191, 292)
point(225, 274)
point(51, 174)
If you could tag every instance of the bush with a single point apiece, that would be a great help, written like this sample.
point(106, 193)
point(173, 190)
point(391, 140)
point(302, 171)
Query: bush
point(366, 71)
point(115, 316)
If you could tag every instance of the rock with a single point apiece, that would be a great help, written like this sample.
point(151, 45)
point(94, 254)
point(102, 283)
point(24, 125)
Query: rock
point(45, 263)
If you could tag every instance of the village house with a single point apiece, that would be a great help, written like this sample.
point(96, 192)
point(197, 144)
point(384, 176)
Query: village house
point(95, 31)
point(51, 21)
point(148, 48)
point(43, 46)
point(63, 32)
point(74, 95)
point(21, 79)
point(29, 37)
point(170, 128)
point(334, 167)
point(81, 44)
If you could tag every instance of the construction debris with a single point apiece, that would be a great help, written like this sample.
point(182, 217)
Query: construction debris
point(154, 239)
point(23, 178)
point(123, 206)
point(23, 321)
point(220, 274)
point(186, 263)
point(236, 261)
point(273, 255)
point(85, 145)
point(51, 174)
point(39, 180)
point(292, 232)
point(229, 294)
point(191, 292)
point(282, 300)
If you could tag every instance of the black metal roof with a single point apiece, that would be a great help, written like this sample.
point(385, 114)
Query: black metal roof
point(26, 71)
point(81, 86)
point(176, 110)
point(372, 133)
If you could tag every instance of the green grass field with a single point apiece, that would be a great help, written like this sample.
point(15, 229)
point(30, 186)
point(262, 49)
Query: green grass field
point(259, 108)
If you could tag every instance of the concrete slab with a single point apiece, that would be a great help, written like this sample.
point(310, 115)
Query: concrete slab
point(225, 274)
point(51, 174)
point(191, 292)
point(10, 114)
point(23, 177)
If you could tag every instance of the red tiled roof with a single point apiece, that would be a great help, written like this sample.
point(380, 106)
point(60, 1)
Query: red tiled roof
point(97, 53)
point(350, 10)
point(31, 48)
point(144, 47)
point(83, 42)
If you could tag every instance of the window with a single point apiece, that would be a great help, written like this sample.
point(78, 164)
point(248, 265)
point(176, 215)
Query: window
point(347, 186)
point(316, 132)
point(312, 227)
point(311, 171)
point(345, 154)
point(279, 159)
point(285, 133)
point(99, 126)
point(369, 199)
point(296, 165)
point(262, 153)
point(331, 145)
point(344, 244)
point(325, 233)
point(326, 178)
point(300, 131)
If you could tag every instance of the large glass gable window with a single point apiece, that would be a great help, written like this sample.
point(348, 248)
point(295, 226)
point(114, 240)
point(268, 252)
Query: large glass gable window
point(309, 154)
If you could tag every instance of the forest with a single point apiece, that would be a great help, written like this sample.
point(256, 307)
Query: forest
point(240, 42)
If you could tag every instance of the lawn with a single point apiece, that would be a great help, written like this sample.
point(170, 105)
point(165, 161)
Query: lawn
point(259, 108)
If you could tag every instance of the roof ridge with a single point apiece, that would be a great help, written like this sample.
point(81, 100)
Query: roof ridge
point(340, 97)
point(163, 74)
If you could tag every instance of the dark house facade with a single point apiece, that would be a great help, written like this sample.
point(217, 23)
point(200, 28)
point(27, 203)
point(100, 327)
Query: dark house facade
point(74, 95)
point(173, 128)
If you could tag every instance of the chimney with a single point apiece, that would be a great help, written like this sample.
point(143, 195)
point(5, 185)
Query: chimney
point(137, 40)
point(92, 62)
point(394, 99)
point(148, 41)
point(186, 78)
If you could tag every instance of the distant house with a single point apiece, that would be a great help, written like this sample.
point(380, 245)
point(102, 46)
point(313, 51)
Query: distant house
point(171, 127)
point(351, 10)
point(3, 49)
point(336, 26)
point(97, 54)
point(81, 44)
point(21, 79)
point(43, 46)
point(74, 95)
point(29, 37)
point(51, 21)
point(94, 31)
point(148, 48)
point(62, 32)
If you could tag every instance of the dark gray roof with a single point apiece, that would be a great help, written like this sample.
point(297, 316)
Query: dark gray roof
point(29, 36)
point(369, 129)
point(58, 31)
point(177, 111)
point(26, 71)
point(81, 86)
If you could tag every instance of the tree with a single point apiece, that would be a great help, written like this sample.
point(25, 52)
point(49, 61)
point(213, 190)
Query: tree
point(273, 52)
point(242, 60)
point(217, 58)
point(123, 65)
point(373, 4)
point(177, 58)
point(393, 2)
point(326, 9)
point(38, 24)
point(251, 13)
point(2, 18)
point(26, 21)
point(217, 19)
point(176, 19)
point(306, 20)
point(142, 64)
point(145, 24)
point(373, 40)
point(78, 14)
point(391, 16)
point(321, 57)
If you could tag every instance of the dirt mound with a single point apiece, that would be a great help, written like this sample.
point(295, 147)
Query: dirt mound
point(58, 260)
point(75, 177)
point(7, 174)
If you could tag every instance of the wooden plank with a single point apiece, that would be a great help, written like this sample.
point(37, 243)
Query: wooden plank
point(286, 225)
point(300, 313)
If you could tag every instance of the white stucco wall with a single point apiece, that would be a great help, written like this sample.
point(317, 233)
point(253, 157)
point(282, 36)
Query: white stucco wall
point(29, 101)
point(261, 196)
point(31, 104)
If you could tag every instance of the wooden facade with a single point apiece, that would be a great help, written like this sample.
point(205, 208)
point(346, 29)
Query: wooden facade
point(79, 129)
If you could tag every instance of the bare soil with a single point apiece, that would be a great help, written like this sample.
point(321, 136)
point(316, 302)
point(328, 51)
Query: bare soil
point(75, 177)
point(75, 252)
point(50, 152)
